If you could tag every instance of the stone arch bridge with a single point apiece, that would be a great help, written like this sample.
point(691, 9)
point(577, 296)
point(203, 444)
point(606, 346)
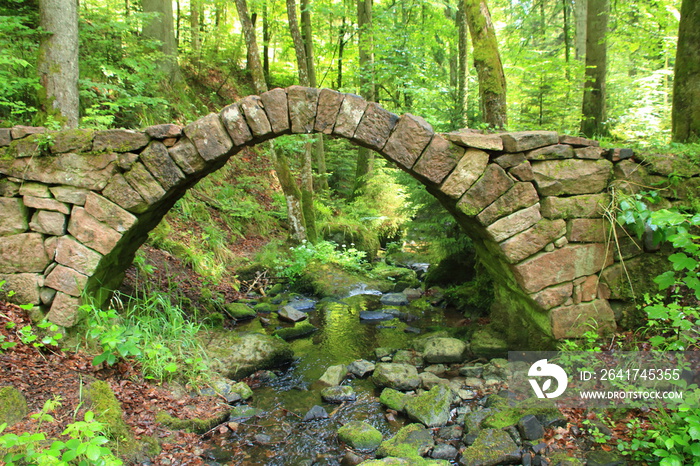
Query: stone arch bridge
point(75, 208)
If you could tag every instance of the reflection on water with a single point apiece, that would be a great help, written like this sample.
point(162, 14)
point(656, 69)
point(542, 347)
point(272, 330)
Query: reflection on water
point(280, 437)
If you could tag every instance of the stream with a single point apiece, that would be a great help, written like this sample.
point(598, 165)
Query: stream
point(349, 328)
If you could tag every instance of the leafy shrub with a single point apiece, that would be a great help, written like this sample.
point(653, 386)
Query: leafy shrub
point(325, 252)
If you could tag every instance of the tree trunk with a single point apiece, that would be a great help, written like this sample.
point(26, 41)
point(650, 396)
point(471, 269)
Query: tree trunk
point(254, 64)
point(161, 29)
point(194, 26)
point(593, 111)
point(462, 65)
point(365, 157)
point(299, 48)
point(58, 61)
point(686, 84)
point(487, 61)
point(267, 36)
point(292, 196)
point(581, 18)
point(307, 37)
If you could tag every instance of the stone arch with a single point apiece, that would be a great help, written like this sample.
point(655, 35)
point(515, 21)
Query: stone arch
point(75, 211)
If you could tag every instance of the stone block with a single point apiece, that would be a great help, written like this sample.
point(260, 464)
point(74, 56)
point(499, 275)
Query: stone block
point(5, 137)
point(235, 124)
point(64, 310)
point(277, 110)
point(66, 280)
point(492, 184)
point(514, 223)
point(253, 108)
point(143, 182)
point(108, 212)
point(469, 168)
point(165, 131)
point(591, 153)
point(90, 171)
point(23, 253)
point(21, 288)
point(507, 161)
point(75, 255)
point(157, 160)
point(588, 289)
point(72, 140)
point(69, 194)
point(302, 103)
point(20, 131)
point(349, 116)
point(46, 295)
point(585, 206)
point(438, 159)
point(553, 152)
point(475, 140)
point(573, 321)
point(533, 240)
point(8, 188)
point(518, 197)
point(119, 191)
point(523, 172)
point(573, 176)
point(210, 137)
point(13, 216)
point(561, 265)
point(587, 230)
point(48, 222)
point(577, 141)
point(34, 190)
point(408, 140)
point(46, 204)
point(91, 232)
point(329, 103)
point(617, 154)
point(186, 156)
point(554, 295)
point(127, 160)
point(50, 247)
point(375, 127)
point(22, 148)
point(119, 140)
point(526, 140)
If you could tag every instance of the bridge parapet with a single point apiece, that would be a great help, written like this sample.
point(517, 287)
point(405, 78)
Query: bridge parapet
point(76, 205)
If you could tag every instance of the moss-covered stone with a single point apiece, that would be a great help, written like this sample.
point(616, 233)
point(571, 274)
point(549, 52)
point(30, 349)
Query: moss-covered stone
point(411, 442)
point(265, 308)
point(360, 435)
point(488, 343)
point(101, 400)
point(401, 277)
point(195, 425)
point(509, 416)
point(391, 461)
point(240, 311)
point(300, 329)
point(13, 405)
point(352, 234)
point(332, 280)
point(242, 389)
point(562, 459)
point(492, 446)
point(431, 408)
point(393, 399)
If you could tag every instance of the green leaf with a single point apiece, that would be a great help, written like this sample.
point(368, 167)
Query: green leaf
point(665, 280)
point(681, 261)
point(171, 367)
point(92, 452)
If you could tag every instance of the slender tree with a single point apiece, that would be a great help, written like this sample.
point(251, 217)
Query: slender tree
point(58, 60)
point(487, 61)
point(594, 94)
point(365, 157)
point(462, 63)
point(299, 49)
point(254, 64)
point(160, 28)
point(581, 19)
point(196, 41)
point(686, 84)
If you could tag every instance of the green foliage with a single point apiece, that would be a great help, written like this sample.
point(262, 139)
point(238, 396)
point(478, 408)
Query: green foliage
point(86, 446)
point(677, 433)
point(155, 332)
point(346, 256)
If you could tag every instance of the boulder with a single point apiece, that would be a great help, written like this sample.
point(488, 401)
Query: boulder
point(334, 375)
point(491, 447)
point(444, 350)
point(411, 441)
point(431, 408)
point(338, 394)
point(289, 314)
point(236, 355)
point(360, 435)
point(361, 368)
point(398, 376)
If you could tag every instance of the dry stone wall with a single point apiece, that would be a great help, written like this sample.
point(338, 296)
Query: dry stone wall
point(75, 205)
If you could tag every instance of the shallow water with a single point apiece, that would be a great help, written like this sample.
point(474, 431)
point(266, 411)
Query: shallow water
point(341, 339)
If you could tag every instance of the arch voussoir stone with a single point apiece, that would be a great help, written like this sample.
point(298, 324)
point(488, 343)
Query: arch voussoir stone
point(532, 202)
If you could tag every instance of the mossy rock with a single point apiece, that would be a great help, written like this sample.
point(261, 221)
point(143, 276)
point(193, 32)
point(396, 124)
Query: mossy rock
point(431, 408)
point(492, 446)
point(416, 461)
point(401, 277)
point(510, 416)
point(240, 311)
point(236, 355)
point(360, 435)
point(242, 389)
point(13, 405)
point(194, 425)
point(562, 459)
point(452, 270)
point(300, 330)
point(101, 400)
point(332, 280)
point(265, 308)
point(488, 343)
point(353, 235)
point(393, 399)
point(411, 442)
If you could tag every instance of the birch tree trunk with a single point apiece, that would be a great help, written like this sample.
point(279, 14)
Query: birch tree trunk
point(254, 64)
point(58, 61)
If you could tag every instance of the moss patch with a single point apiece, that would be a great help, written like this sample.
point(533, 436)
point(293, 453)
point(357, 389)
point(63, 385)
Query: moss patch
point(410, 442)
point(195, 425)
point(510, 416)
point(240, 311)
point(360, 435)
point(300, 329)
point(13, 406)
